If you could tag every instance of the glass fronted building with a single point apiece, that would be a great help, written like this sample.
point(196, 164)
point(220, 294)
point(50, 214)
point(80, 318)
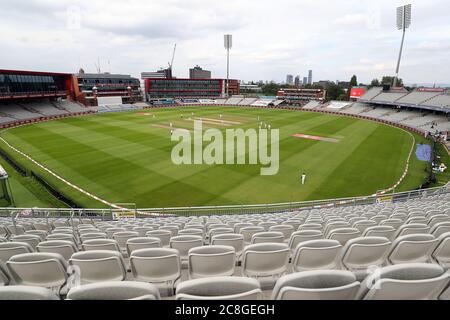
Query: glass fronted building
point(89, 86)
point(15, 84)
point(188, 88)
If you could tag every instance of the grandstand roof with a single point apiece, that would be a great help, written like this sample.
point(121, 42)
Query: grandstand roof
point(34, 72)
point(103, 75)
point(419, 99)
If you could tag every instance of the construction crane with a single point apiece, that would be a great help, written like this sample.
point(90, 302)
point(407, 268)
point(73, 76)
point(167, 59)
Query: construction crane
point(173, 57)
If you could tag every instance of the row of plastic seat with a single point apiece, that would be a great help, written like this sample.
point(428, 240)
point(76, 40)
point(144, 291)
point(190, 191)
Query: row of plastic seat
point(258, 260)
point(406, 282)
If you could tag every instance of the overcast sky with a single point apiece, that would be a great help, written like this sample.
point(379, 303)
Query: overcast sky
point(270, 38)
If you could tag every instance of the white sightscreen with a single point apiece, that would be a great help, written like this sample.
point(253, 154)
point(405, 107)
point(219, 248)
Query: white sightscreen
point(109, 101)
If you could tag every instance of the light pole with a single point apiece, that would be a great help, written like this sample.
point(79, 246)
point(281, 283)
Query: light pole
point(403, 23)
point(228, 44)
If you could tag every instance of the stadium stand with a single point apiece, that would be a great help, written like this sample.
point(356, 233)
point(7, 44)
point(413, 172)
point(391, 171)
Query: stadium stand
point(311, 105)
point(422, 120)
point(377, 113)
point(397, 116)
point(389, 97)
point(221, 101)
point(372, 93)
point(278, 102)
point(337, 105)
point(46, 108)
point(17, 111)
point(417, 97)
point(247, 101)
point(331, 265)
point(69, 106)
point(4, 119)
point(357, 108)
point(263, 102)
point(420, 98)
point(442, 101)
point(233, 101)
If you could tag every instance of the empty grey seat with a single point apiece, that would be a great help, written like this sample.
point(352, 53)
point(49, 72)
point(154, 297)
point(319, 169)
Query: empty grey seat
point(38, 269)
point(412, 228)
point(310, 226)
point(410, 281)
point(88, 230)
point(115, 290)
point(219, 288)
point(156, 265)
point(285, 229)
point(440, 228)
point(315, 255)
point(317, 285)
point(163, 235)
point(412, 248)
point(266, 225)
point(362, 225)
point(184, 243)
point(142, 243)
point(210, 261)
point(63, 247)
point(191, 231)
point(110, 231)
point(99, 265)
point(5, 276)
point(93, 235)
point(15, 230)
point(359, 254)
point(100, 244)
point(31, 239)
point(302, 236)
point(9, 249)
point(26, 293)
point(41, 233)
point(441, 254)
point(343, 234)
point(142, 230)
point(380, 231)
point(268, 236)
point(122, 238)
point(248, 232)
point(61, 236)
point(265, 260)
point(216, 231)
point(231, 239)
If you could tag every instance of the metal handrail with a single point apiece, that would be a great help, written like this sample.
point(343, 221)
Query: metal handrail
point(110, 213)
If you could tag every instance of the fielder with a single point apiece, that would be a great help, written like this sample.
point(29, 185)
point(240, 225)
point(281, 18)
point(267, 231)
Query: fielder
point(303, 178)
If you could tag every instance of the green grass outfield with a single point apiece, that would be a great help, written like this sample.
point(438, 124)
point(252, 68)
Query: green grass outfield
point(125, 157)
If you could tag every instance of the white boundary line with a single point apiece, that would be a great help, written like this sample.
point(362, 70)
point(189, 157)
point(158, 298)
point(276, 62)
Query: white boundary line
point(60, 178)
point(121, 208)
point(405, 172)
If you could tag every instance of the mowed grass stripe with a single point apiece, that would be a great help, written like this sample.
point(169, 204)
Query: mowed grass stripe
point(317, 159)
point(382, 169)
point(136, 157)
point(138, 177)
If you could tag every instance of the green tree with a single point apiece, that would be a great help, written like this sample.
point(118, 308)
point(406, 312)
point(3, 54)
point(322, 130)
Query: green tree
point(375, 83)
point(353, 81)
point(334, 92)
point(270, 89)
point(390, 80)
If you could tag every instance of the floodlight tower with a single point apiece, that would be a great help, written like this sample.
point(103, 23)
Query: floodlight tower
point(228, 45)
point(403, 23)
